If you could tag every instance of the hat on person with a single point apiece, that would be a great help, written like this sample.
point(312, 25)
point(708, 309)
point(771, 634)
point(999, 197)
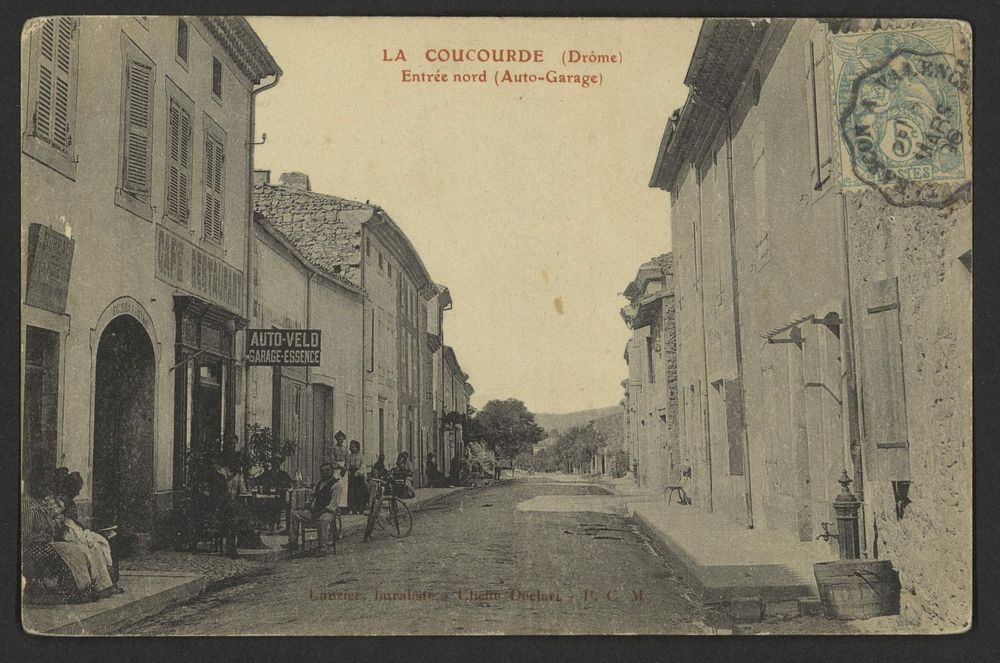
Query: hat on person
point(340, 436)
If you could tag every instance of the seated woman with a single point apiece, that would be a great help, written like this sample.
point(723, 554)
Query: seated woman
point(67, 486)
point(238, 523)
point(434, 476)
point(402, 471)
point(53, 557)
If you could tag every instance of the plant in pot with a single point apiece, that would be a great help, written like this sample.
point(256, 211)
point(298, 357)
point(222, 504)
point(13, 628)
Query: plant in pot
point(265, 453)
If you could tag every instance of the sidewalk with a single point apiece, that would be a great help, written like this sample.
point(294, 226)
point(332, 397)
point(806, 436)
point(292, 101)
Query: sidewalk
point(161, 579)
point(724, 560)
point(721, 559)
point(146, 594)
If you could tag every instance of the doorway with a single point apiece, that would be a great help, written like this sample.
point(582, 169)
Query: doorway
point(123, 426)
point(41, 399)
point(207, 402)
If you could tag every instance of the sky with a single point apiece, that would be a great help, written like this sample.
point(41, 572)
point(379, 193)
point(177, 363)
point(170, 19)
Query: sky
point(530, 201)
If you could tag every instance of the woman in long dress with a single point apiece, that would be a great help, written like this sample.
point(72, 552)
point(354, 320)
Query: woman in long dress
point(357, 492)
point(54, 557)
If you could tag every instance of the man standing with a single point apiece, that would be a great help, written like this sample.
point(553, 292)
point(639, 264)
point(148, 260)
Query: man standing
point(321, 510)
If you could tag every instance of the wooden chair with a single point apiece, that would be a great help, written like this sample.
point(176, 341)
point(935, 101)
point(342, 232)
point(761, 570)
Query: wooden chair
point(676, 486)
point(300, 499)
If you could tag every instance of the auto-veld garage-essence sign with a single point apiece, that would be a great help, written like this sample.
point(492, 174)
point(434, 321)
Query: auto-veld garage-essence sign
point(283, 347)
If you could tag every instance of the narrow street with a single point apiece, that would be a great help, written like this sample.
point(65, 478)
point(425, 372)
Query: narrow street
point(475, 564)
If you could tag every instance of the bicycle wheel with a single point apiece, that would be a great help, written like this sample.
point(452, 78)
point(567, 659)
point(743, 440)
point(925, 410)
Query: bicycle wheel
point(370, 525)
point(394, 517)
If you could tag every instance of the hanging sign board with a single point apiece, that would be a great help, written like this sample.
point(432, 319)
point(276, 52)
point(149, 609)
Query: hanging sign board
point(283, 347)
point(50, 257)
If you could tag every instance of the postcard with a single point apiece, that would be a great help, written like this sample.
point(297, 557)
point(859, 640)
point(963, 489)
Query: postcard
point(480, 326)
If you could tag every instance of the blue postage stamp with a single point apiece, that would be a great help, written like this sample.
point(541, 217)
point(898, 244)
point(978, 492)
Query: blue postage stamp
point(902, 101)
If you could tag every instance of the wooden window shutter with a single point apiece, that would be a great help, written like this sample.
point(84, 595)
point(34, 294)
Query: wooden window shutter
point(734, 424)
point(138, 112)
point(179, 163)
point(818, 104)
point(883, 399)
point(215, 165)
point(54, 99)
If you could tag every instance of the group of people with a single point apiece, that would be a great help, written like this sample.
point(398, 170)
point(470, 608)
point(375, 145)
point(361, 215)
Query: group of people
point(331, 493)
point(219, 493)
point(60, 554)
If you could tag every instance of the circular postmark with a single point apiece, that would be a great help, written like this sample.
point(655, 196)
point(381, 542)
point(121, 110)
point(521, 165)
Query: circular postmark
point(901, 111)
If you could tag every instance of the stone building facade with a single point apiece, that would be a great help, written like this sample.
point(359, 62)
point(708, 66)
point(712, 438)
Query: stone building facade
point(136, 219)
point(824, 323)
point(378, 315)
point(651, 391)
point(307, 405)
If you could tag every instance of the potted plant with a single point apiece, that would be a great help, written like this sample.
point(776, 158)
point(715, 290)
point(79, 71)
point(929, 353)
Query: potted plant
point(265, 453)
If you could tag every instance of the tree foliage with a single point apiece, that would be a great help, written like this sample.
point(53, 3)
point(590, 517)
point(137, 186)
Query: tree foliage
point(506, 427)
point(573, 450)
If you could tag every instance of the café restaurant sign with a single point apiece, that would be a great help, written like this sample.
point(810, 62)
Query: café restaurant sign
point(283, 347)
point(180, 263)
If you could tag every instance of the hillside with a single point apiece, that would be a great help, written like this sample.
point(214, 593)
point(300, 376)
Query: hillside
point(562, 422)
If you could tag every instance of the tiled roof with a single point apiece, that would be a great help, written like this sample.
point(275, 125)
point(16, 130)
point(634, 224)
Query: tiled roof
point(722, 55)
point(243, 46)
point(325, 229)
point(656, 267)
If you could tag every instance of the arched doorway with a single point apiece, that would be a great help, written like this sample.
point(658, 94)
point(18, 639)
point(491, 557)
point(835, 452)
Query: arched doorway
point(123, 426)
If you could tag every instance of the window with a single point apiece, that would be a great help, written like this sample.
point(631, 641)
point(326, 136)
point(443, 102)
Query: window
point(650, 359)
point(217, 78)
point(136, 131)
point(182, 39)
point(368, 248)
point(177, 202)
point(733, 396)
point(41, 398)
point(381, 262)
point(52, 90)
point(370, 341)
point(214, 177)
point(390, 270)
point(818, 105)
point(760, 196)
point(883, 397)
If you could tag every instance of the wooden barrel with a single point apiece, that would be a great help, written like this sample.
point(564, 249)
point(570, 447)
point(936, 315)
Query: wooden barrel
point(857, 588)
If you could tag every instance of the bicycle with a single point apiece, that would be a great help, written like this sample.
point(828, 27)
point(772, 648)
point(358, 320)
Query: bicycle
point(390, 512)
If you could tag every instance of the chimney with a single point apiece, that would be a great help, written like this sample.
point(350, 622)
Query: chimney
point(295, 180)
point(261, 177)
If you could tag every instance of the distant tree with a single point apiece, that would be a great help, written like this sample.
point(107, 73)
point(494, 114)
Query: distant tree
point(507, 427)
point(577, 446)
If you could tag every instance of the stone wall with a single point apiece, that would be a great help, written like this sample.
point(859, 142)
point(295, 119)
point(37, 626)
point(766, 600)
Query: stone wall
point(925, 249)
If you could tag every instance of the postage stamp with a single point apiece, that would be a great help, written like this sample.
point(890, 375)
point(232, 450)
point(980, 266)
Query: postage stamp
point(902, 108)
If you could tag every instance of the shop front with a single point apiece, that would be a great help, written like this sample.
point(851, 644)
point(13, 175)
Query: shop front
point(206, 381)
